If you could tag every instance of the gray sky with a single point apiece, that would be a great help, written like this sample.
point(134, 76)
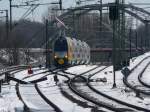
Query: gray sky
point(37, 15)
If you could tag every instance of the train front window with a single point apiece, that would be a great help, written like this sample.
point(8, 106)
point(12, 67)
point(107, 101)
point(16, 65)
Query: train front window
point(60, 45)
point(61, 54)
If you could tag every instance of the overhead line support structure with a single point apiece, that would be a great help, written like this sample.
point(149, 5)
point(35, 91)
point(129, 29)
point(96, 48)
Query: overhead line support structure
point(101, 8)
point(147, 40)
point(7, 25)
point(13, 59)
point(27, 5)
point(46, 31)
point(10, 11)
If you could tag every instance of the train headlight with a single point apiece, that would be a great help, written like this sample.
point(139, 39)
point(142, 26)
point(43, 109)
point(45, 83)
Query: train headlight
point(55, 56)
point(66, 56)
point(61, 61)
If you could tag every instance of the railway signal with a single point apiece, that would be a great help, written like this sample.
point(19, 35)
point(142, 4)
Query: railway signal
point(60, 4)
point(56, 79)
point(113, 12)
point(30, 71)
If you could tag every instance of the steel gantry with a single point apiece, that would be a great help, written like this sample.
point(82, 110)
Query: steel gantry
point(120, 33)
point(136, 12)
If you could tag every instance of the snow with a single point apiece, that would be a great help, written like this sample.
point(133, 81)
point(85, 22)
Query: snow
point(32, 99)
point(10, 102)
point(38, 76)
point(52, 91)
point(146, 76)
point(119, 92)
point(80, 69)
point(4, 54)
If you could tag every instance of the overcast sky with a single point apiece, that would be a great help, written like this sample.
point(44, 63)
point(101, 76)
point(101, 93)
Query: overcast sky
point(37, 14)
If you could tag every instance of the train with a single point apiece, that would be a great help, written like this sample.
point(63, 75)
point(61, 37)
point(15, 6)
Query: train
point(70, 51)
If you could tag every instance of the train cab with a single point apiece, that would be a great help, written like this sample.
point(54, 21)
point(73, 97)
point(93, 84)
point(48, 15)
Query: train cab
point(60, 51)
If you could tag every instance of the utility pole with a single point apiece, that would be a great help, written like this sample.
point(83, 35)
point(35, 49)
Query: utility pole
point(114, 55)
point(146, 36)
point(7, 25)
point(130, 33)
point(124, 58)
point(114, 16)
point(100, 21)
point(74, 28)
point(10, 7)
point(14, 50)
point(100, 9)
point(46, 31)
point(141, 44)
point(27, 57)
point(10, 51)
point(136, 42)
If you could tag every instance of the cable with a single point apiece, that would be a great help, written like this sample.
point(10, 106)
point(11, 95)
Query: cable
point(30, 1)
point(28, 13)
point(18, 6)
point(140, 3)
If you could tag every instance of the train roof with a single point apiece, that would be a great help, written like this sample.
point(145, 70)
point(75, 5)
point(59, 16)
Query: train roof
point(76, 41)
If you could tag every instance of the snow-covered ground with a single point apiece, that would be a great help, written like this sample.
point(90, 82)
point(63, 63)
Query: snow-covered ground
point(146, 76)
point(52, 91)
point(9, 101)
point(121, 92)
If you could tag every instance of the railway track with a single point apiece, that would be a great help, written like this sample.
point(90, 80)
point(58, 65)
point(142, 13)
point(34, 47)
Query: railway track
point(67, 92)
point(85, 91)
point(31, 96)
point(13, 68)
point(133, 80)
point(140, 77)
point(79, 84)
point(47, 93)
point(128, 105)
point(9, 88)
point(36, 98)
point(32, 100)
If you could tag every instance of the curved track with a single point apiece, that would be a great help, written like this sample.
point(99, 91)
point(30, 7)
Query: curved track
point(35, 100)
point(37, 97)
point(84, 90)
point(133, 79)
point(32, 98)
point(48, 93)
point(141, 75)
point(128, 105)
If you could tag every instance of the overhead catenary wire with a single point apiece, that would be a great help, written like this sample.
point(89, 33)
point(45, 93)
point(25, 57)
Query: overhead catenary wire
point(27, 5)
point(28, 12)
point(139, 3)
point(30, 1)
